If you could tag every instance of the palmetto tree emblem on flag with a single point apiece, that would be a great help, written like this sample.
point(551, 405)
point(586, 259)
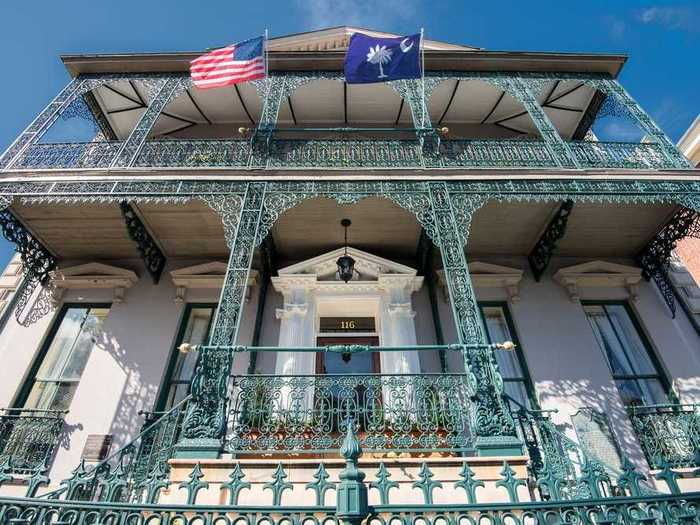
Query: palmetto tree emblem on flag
point(379, 55)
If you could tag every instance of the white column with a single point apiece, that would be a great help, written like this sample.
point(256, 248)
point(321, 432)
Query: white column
point(398, 329)
point(297, 329)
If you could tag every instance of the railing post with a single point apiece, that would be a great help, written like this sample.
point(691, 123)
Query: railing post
point(351, 506)
point(205, 421)
point(491, 420)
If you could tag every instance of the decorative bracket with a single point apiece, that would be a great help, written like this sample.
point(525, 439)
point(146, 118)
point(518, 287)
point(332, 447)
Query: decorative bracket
point(151, 254)
point(542, 252)
point(655, 256)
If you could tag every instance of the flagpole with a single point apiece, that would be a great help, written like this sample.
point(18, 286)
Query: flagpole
point(265, 51)
point(422, 75)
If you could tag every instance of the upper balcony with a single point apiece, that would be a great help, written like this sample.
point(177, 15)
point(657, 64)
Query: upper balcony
point(475, 109)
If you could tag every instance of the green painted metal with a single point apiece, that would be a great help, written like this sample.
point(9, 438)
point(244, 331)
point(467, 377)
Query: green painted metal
point(264, 151)
point(151, 254)
point(383, 484)
point(426, 484)
point(509, 482)
point(278, 485)
point(468, 482)
point(235, 484)
point(194, 484)
point(668, 434)
point(393, 412)
point(321, 485)
point(352, 502)
point(28, 439)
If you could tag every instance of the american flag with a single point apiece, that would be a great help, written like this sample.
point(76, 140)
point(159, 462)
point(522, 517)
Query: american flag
point(229, 65)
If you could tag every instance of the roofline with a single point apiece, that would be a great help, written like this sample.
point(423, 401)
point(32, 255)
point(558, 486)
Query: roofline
point(691, 129)
point(467, 60)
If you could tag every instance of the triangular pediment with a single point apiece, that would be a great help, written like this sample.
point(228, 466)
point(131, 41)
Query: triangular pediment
point(337, 38)
point(210, 268)
point(95, 269)
point(369, 266)
point(600, 267)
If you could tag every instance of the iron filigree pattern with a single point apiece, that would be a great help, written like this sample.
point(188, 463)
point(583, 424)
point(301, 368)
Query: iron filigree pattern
point(28, 439)
point(309, 413)
point(68, 155)
point(194, 154)
point(151, 254)
point(542, 253)
point(132, 146)
point(668, 435)
point(654, 258)
point(229, 209)
point(205, 419)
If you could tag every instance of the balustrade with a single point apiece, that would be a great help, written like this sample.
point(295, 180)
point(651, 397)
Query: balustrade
point(668, 434)
point(28, 438)
point(312, 153)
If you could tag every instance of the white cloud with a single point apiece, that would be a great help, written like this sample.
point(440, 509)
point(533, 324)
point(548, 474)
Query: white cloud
point(676, 18)
point(617, 28)
point(373, 14)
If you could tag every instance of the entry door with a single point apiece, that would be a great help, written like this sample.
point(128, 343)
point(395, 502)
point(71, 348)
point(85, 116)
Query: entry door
point(360, 363)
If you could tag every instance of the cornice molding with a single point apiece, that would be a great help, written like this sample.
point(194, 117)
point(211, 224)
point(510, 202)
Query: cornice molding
point(598, 274)
point(94, 276)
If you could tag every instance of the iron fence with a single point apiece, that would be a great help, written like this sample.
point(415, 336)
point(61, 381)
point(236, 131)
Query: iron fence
point(28, 438)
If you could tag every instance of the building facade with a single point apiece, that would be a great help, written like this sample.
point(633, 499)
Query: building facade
point(299, 299)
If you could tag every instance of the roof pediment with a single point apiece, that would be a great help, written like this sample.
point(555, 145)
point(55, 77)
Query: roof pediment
point(337, 39)
point(94, 276)
point(369, 266)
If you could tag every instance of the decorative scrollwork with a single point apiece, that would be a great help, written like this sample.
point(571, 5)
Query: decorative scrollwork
point(151, 254)
point(542, 253)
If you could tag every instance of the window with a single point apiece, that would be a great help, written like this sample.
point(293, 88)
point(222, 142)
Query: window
point(64, 357)
point(195, 331)
point(499, 328)
point(634, 368)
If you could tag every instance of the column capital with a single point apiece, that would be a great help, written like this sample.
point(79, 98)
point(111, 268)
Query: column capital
point(292, 309)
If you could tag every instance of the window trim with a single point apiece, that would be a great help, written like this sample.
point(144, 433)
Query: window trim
point(166, 382)
point(28, 382)
point(662, 374)
point(520, 354)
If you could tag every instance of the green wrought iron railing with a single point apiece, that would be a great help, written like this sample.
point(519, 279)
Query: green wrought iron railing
point(309, 413)
point(668, 434)
point(28, 438)
point(135, 472)
point(343, 153)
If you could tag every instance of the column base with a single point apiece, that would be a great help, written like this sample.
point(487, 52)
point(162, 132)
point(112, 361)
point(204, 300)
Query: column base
point(499, 446)
point(203, 448)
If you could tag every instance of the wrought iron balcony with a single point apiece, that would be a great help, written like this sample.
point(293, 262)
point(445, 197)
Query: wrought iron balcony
point(381, 153)
point(28, 438)
point(309, 413)
point(668, 434)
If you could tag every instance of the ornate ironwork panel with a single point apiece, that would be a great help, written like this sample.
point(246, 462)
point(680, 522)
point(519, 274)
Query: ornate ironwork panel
point(645, 155)
point(41, 123)
point(132, 146)
point(175, 153)
point(68, 155)
point(668, 435)
point(400, 412)
point(151, 254)
point(654, 258)
point(556, 229)
point(28, 438)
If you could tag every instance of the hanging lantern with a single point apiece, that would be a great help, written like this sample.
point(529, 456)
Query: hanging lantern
point(346, 264)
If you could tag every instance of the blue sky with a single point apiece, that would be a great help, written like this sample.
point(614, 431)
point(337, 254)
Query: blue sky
point(662, 39)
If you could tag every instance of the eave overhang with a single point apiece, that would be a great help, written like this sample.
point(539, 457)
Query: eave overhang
point(453, 60)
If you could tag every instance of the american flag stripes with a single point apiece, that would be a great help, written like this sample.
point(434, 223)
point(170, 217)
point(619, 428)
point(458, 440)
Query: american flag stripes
point(229, 65)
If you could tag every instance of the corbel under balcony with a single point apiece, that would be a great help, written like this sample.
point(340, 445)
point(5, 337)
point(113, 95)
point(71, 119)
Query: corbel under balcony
point(206, 276)
point(93, 276)
point(598, 274)
point(487, 275)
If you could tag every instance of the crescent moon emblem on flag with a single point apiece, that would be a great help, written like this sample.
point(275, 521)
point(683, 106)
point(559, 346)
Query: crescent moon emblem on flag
point(405, 48)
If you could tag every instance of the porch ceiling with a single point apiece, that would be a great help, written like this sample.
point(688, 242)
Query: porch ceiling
point(193, 230)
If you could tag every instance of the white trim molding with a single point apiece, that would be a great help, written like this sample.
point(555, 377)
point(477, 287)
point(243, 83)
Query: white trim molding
point(92, 276)
point(205, 276)
point(487, 275)
point(598, 274)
